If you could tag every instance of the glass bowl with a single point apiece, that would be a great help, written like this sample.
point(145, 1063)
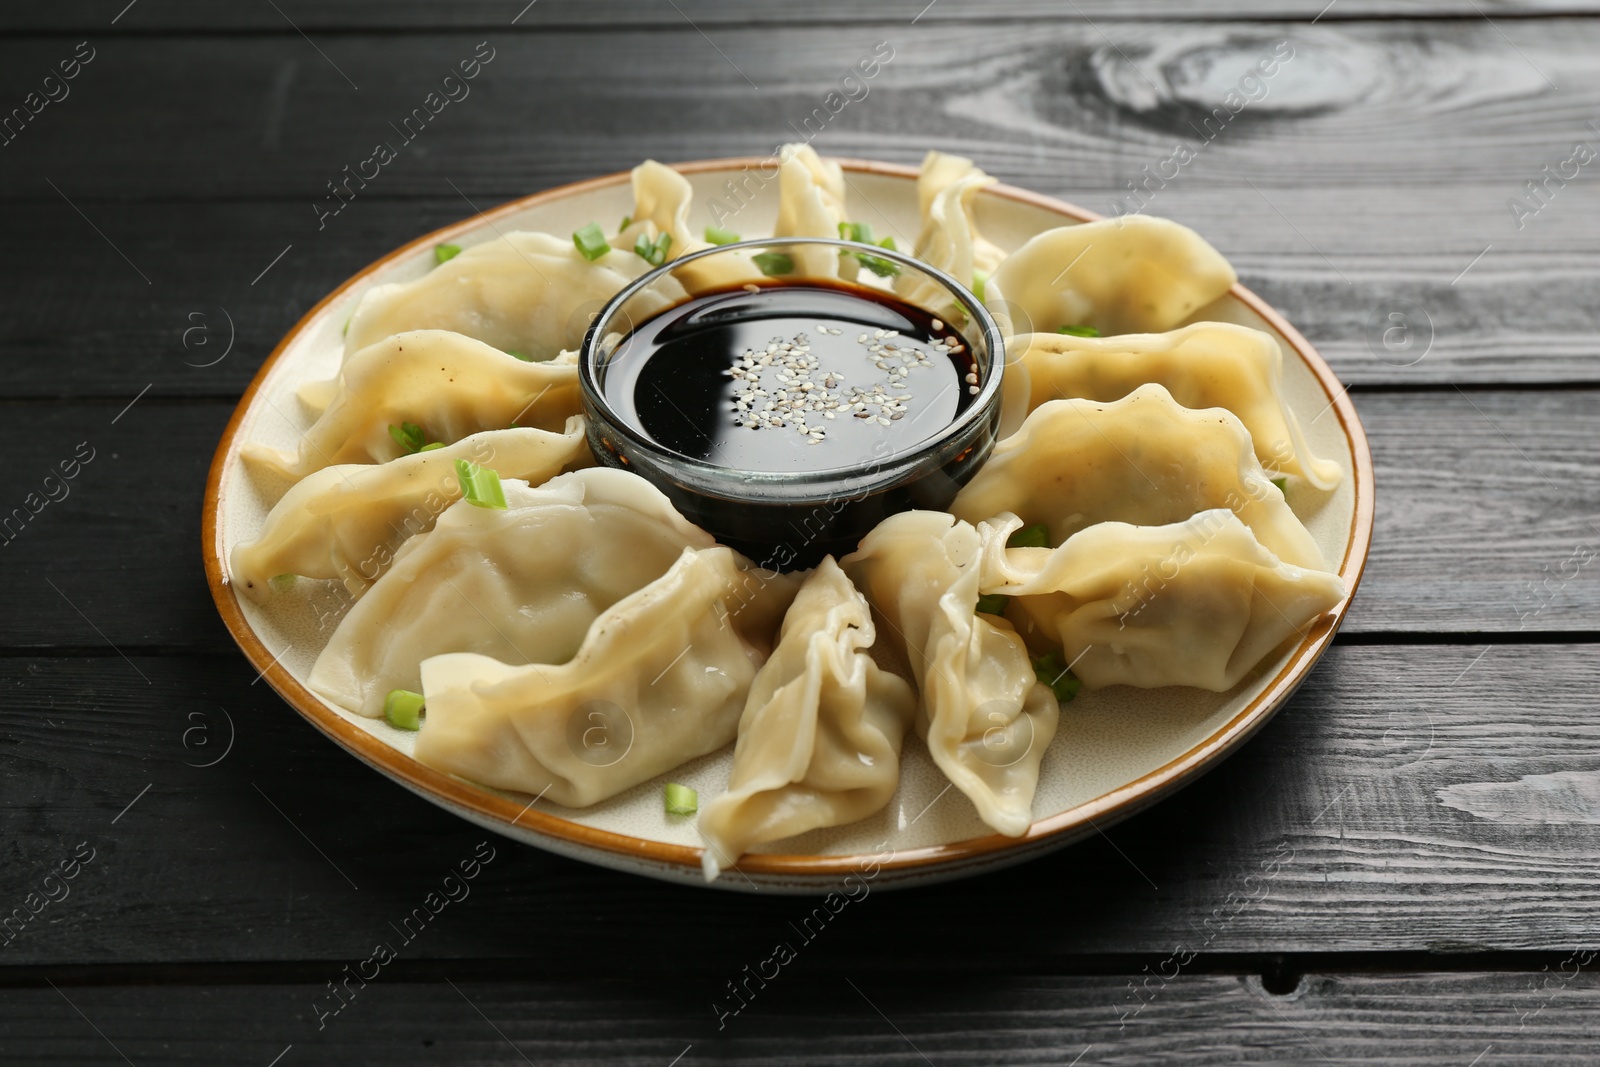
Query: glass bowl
point(790, 519)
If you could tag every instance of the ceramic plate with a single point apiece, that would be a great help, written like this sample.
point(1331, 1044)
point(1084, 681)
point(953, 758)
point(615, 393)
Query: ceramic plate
point(1117, 750)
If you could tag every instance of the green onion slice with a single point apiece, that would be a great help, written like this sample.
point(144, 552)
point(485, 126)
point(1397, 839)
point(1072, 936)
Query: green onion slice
point(445, 253)
point(1037, 536)
point(1282, 484)
point(888, 242)
point(1052, 670)
point(431, 447)
point(878, 265)
point(480, 485)
point(993, 603)
point(774, 263)
point(627, 220)
point(718, 236)
point(408, 435)
point(591, 242)
point(979, 280)
point(281, 583)
point(653, 252)
point(403, 708)
point(1078, 331)
point(519, 355)
point(681, 800)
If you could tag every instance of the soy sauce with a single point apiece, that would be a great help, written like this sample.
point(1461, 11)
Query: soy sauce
point(792, 377)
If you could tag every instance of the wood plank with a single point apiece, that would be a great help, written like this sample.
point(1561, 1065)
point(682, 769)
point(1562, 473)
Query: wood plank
point(806, 1016)
point(1486, 519)
point(83, 324)
point(107, 18)
point(1393, 806)
point(1379, 105)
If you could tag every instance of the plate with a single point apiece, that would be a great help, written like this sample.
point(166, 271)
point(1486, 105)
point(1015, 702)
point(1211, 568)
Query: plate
point(1117, 750)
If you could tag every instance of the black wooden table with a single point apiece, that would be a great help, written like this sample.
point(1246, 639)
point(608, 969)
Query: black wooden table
point(1402, 867)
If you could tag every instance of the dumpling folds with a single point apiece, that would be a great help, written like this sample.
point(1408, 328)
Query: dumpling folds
point(521, 584)
point(448, 384)
point(1207, 365)
point(819, 740)
point(662, 199)
point(1196, 603)
point(346, 521)
point(1142, 459)
point(810, 204)
point(1133, 274)
point(949, 238)
point(986, 718)
point(665, 672)
point(525, 292)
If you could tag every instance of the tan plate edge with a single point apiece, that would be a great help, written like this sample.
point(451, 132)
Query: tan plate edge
point(1068, 825)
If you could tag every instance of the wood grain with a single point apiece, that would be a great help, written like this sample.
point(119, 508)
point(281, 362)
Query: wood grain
point(1331, 832)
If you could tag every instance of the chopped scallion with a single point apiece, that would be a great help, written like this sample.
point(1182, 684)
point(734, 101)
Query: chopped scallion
point(888, 242)
point(653, 252)
point(627, 220)
point(480, 485)
point(718, 236)
point(979, 280)
point(856, 231)
point(591, 242)
point(1078, 331)
point(993, 603)
point(408, 435)
point(878, 265)
point(431, 447)
point(774, 263)
point(1282, 484)
point(403, 709)
point(1037, 536)
point(445, 253)
point(282, 583)
point(681, 800)
point(1052, 670)
point(519, 355)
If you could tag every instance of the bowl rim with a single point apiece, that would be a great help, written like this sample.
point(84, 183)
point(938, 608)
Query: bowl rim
point(492, 809)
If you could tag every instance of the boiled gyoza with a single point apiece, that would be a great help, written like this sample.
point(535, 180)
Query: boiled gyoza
point(664, 673)
point(662, 199)
point(1209, 364)
point(949, 239)
point(345, 521)
point(521, 584)
point(1143, 459)
point(1196, 603)
point(819, 740)
point(529, 293)
point(984, 714)
point(1132, 274)
point(449, 385)
point(810, 204)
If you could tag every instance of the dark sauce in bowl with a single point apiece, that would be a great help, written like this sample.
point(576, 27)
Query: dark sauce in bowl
point(768, 391)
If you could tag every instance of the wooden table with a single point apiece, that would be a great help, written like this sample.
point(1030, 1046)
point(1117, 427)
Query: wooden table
point(1401, 867)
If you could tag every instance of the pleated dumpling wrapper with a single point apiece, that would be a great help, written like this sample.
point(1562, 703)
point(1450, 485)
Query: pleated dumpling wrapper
point(949, 239)
point(819, 740)
point(985, 716)
point(1133, 274)
point(662, 200)
point(811, 203)
point(1196, 603)
point(525, 584)
point(346, 521)
point(533, 294)
point(1207, 365)
point(1143, 459)
point(447, 384)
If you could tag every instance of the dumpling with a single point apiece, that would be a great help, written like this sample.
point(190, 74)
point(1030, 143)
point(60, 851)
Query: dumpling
point(1142, 459)
point(985, 716)
point(949, 239)
point(345, 521)
point(810, 204)
point(450, 385)
point(533, 294)
point(1209, 364)
point(819, 740)
point(1196, 603)
point(521, 584)
point(662, 199)
point(1133, 274)
point(664, 672)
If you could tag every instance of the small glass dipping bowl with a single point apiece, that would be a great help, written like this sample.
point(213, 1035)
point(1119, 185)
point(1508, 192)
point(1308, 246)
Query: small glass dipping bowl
point(790, 519)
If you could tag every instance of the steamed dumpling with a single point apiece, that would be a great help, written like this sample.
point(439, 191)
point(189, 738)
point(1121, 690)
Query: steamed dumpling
point(345, 521)
point(810, 204)
point(662, 199)
point(819, 740)
point(949, 239)
point(450, 385)
point(1195, 603)
point(1209, 364)
point(529, 293)
point(1142, 459)
point(664, 673)
point(985, 716)
point(521, 584)
point(1133, 274)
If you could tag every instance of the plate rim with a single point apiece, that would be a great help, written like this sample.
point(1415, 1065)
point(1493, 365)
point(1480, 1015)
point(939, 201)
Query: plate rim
point(1060, 828)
